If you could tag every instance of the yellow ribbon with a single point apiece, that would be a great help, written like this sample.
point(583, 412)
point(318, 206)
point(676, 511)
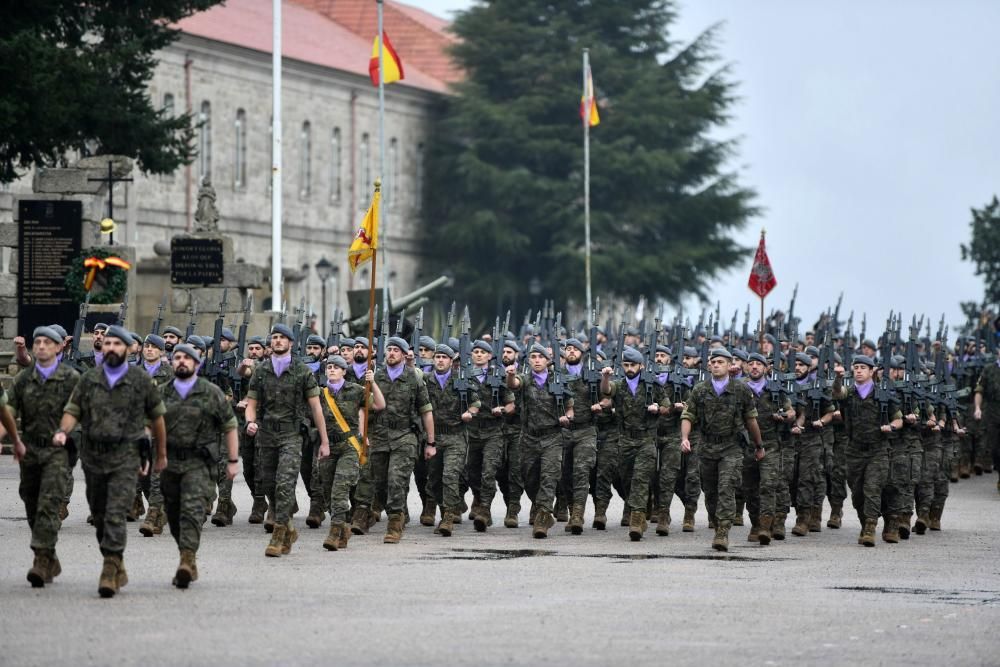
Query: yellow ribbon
point(96, 264)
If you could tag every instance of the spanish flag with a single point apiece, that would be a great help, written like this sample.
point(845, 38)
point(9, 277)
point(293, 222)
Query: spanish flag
point(366, 242)
point(393, 65)
point(588, 105)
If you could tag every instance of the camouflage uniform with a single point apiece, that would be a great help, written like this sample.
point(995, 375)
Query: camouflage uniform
point(904, 468)
point(637, 439)
point(605, 475)
point(486, 442)
point(150, 484)
point(836, 479)
point(39, 404)
point(668, 445)
point(810, 447)
point(763, 479)
point(450, 439)
point(579, 445)
point(541, 441)
point(510, 476)
point(989, 387)
point(932, 489)
point(720, 418)
point(336, 474)
point(112, 421)
point(195, 425)
point(282, 403)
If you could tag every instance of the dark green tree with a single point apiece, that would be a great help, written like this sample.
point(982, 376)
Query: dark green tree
point(507, 167)
point(983, 250)
point(75, 72)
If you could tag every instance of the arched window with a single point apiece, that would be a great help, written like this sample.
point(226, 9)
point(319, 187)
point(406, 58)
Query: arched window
point(240, 141)
point(305, 161)
point(205, 142)
point(335, 166)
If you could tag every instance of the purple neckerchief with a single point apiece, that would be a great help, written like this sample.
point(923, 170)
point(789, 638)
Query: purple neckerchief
point(689, 380)
point(151, 370)
point(313, 366)
point(113, 375)
point(98, 357)
point(59, 358)
point(757, 385)
point(633, 384)
point(360, 369)
point(395, 372)
point(738, 376)
point(812, 375)
point(335, 387)
point(803, 381)
point(865, 389)
point(281, 363)
point(480, 374)
point(442, 378)
point(720, 385)
point(951, 366)
point(574, 369)
point(662, 378)
point(540, 378)
point(184, 387)
point(46, 373)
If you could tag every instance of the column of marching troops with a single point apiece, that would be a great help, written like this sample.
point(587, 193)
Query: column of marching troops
point(759, 424)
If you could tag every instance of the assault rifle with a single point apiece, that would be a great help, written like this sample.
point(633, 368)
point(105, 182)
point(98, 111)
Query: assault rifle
point(885, 394)
point(649, 368)
point(74, 357)
point(215, 365)
point(193, 322)
point(159, 316)
point(241, 342)
point(592, 369)
point(450, 324)
point(336, 328)
point(418, 331)
point(557, 387)
point(464, 361)
point(123, 309)
point(382, 337)
point(495, 376)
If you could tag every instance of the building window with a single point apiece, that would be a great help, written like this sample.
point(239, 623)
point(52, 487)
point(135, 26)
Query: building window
point(392, 173)
point(305, 161)
point(205, 142)
point(240, 166)
point(365, 170)
point(418, 178)
point(335, 166)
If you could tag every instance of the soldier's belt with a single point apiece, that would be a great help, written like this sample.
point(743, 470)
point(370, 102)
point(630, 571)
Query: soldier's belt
point(41, 442)
point(280, 427)
point(580, 426)
point(393, 424)
point(448, 429)
point(186, 453)
point(104, 446)
point(542, 432)
point(638, 432)
point(719, 438)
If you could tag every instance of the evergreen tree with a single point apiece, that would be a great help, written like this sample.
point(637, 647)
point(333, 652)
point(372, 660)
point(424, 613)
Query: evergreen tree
point(508, 160)
point(75, 71)
point(983, 250)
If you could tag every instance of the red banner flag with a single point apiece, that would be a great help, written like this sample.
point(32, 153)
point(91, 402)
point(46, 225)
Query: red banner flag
point(762, 279)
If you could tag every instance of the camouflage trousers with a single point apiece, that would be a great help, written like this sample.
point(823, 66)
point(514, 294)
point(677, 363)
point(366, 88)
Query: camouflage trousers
point(689, 477)
point(867, 474)
point(721, 474)
point(248, 454)
point(152, 489)
point(42, 488)
point(579, 459)
point(390, 467)
point(636, 466)
point(785, 462)
point(968, 449)
point(486, 455)
point(510, 477)
point(278, 459)
point(836, 473)
point(669, 472)
point(904, 474)
point(541, 465)
point(605, 475)
point(333, 478)
point(420, 469)
point(185, 485)
point(310, 452)
point(991, 440)
point(762, 480)
point(444, 470)
point(807, 476)
point(110, 476)
point(932, 489)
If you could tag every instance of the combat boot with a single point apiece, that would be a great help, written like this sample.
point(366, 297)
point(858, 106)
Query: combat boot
point(55, 568)
point(291, 535)
point(663, 522)
point(137, 509)
point(778, 527)
point(963, 470)
point(316, 515)
point(815, 522)
point(148, 527)
point(447, 524)
point(40, 568)
point(108, 584)
point(575, 524)
point(626, 514)
point(920, 527)
point(458, 514)
point(754, 535)
point(187, 571)
point(269, 520)
point(890, 533)
point(360, 521)
point(688, 525)
point(394, 531)
point(935, 518)
point(977, 468)
point(836, 516)
point(375, 514)
point(562, 513)
point(903, 526)
point(510, 520)
point(721, 540)
point(331, 543)
point(543, 521)
point(600, 515)
point(258, 510)
point(738, 521)
point(63, 511)
point(801, 528)
point(345, 535)
point(273, 549)
point(636, 526)
point(868, 532)
point(533, 514)
point(223, 514)
point(428, 513)
point(764, 530)
point(711, 521)
point(481, 518)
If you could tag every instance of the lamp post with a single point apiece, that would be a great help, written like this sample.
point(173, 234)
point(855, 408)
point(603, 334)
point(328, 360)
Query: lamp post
point(323, 269)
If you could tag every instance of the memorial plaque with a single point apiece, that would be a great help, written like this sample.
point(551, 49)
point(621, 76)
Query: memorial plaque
point(195, 261)
point(49, 234)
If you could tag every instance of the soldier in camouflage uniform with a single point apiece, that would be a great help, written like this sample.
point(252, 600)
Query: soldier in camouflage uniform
point(225, 510)
point(313, 360)
point(509, 477)
point(161, 373)
point(689, 477)
point(836, 489)
point(112, 403)
point(37, 396)
point(451, 414)
point(605, 475)
point(720, 408)
point(932, 490)
point(393, 442)
point(198, 415)
point(668, 445)
point(336, 474)
point(486, 441)
point(543, 418)
point(868, 447)
point(282, 392)
point(810, 447)
point(986, 411)
point(580, 438)
point(904, 465)
point(248, 444)
point(638, 407)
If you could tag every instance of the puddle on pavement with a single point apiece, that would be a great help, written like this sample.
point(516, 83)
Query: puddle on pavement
point(13, 518)
point(510, 554)
point(958, 597)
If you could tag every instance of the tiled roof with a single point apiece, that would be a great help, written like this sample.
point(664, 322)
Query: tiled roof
point(313, 37)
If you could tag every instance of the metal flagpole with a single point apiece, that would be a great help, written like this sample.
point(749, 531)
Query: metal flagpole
point(587, 101)
point(276, 295)
point(381, 165)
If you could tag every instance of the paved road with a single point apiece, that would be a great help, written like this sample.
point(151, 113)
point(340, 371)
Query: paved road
point(505, 599)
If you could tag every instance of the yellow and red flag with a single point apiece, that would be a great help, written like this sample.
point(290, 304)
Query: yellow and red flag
point(390, 60)
point(366, 241)
point(588, 105)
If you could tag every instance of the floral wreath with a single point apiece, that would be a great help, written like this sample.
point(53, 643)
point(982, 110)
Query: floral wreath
point(98, 267)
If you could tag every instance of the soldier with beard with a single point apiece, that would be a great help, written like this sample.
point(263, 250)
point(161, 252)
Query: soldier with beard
point(161, 373)
point(248, 444)
point(171, 337)
point(315, 345)
point(509, 477)
point(580, 439)
point(809, 449)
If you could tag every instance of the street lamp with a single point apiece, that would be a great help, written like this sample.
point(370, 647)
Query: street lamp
point(323, 269)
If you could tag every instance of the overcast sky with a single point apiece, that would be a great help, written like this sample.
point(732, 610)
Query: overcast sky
point(868, 131)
